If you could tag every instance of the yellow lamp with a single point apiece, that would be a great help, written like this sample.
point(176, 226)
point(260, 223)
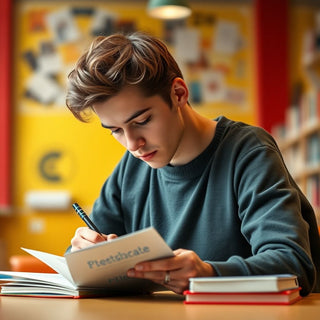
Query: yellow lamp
point(169, 10)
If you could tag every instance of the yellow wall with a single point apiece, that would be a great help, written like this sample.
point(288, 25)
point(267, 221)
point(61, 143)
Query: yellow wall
point(87, 153)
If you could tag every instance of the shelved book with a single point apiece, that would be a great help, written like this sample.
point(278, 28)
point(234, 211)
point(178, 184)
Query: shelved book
point(265, 289)
point(98, 270)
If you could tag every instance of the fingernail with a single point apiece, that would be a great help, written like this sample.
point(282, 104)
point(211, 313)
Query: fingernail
point(139, 267)
point(130, 273)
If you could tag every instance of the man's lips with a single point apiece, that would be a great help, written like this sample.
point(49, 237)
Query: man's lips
point(147, 156)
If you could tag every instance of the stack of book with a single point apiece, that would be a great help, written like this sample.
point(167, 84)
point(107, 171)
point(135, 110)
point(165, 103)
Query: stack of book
point(267, 289)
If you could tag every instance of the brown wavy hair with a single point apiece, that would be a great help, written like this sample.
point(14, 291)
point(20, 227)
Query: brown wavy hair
point(114, 62)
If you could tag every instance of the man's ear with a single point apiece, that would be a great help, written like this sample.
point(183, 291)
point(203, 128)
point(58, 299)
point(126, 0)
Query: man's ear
point(179, 92)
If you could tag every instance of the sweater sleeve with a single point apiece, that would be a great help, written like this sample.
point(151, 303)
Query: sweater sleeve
point(270, 208)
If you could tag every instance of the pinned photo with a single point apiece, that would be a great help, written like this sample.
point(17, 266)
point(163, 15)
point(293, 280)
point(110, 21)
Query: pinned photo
point(103, 23)
point(214, 87)
point(63, 26)
point(42, 88)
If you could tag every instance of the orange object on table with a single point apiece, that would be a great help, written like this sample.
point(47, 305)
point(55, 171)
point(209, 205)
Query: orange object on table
point(24, 263)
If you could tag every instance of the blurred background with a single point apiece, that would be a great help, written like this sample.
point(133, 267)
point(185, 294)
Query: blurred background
point(256, 61)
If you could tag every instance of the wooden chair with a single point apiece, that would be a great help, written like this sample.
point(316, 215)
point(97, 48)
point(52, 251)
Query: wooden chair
point(24, 263)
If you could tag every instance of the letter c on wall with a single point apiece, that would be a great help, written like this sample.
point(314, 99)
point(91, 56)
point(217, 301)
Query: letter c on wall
point(48, 166)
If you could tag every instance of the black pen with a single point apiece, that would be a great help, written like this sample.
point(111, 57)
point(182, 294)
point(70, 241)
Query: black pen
point(85, 218)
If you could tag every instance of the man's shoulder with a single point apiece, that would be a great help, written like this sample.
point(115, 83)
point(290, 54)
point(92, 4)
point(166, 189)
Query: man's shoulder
point(240, 137)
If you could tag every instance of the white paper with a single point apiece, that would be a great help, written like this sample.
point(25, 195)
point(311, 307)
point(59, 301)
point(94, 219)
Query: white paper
point(227, 37)
point(54, 279)
point(50, 63)
point(63, 26)
point(106, 264)
point(187, 45)
point(43, 88)
point(57, 263)
point(102, 20)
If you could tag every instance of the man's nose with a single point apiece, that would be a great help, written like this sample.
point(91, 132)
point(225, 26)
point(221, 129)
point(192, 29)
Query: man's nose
point(134, 142)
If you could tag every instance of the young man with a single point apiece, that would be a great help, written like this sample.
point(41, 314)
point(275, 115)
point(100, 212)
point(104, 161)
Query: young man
point(217, 191)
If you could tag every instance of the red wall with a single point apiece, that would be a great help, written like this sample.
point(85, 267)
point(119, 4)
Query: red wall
point(5, 102)
point(271, 43)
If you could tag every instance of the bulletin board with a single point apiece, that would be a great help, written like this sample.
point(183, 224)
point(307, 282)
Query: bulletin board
point(54, 151)
point(219, 68)
point(213, 47)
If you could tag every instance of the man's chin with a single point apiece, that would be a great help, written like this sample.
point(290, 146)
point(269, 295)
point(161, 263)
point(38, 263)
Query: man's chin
point(155, 165)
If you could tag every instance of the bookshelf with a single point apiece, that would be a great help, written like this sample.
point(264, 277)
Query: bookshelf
point(299, 136)
point(299, 142)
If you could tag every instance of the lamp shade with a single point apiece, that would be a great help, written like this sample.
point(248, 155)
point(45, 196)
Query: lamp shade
point(169, 10)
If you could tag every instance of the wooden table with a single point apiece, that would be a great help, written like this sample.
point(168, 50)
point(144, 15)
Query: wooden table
point(156, 307)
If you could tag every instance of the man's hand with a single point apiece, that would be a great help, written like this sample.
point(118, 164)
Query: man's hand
point(174, 272)
point(85, 237)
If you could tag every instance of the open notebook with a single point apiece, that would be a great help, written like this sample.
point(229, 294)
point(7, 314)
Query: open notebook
point(93, 271)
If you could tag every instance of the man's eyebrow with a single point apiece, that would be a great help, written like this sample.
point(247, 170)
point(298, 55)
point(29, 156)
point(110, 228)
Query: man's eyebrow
point(106, 127)
point(135, 115)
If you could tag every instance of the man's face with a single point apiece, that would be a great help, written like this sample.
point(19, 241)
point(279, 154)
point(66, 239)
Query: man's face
point(147, 127)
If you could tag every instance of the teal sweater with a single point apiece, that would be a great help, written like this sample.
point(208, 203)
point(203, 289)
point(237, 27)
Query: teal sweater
point(235, 205)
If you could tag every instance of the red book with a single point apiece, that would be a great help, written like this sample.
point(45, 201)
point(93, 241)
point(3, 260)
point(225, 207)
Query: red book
point(263, 298)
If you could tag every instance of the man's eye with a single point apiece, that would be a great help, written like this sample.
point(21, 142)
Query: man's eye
point(115, 131)
point(142, 123)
